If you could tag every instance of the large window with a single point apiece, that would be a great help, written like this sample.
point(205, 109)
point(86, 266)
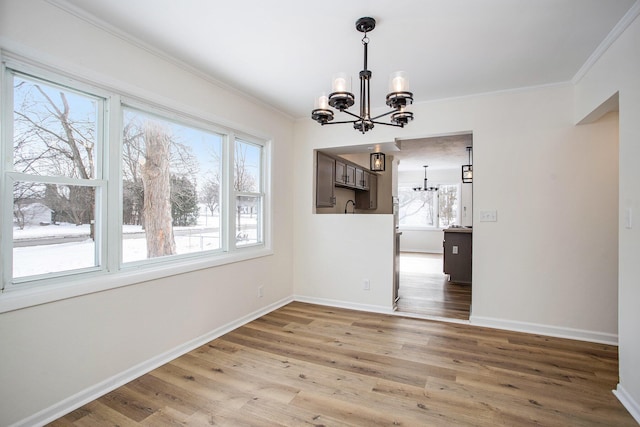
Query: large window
point(54, 176)
point(92, 184)
point(429, 209)
point(171, 176)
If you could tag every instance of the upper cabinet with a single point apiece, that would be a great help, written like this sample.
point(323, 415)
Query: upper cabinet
point(345, 174)
point(362, 179)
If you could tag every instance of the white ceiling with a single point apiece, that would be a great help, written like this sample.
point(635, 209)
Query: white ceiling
point(284, 52)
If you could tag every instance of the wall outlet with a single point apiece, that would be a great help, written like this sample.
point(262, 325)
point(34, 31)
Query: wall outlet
point(454, 250)
point(366, 284)
point(260, 291)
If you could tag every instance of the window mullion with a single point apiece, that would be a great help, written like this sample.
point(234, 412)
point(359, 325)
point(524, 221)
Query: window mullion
point(6, 185)
point(112, 227)
point(230, 193)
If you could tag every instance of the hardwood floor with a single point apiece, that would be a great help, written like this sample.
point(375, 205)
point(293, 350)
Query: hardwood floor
point(425, 290)
point(306, 364)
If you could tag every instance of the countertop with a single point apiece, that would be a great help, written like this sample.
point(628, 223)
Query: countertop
point(458, 230)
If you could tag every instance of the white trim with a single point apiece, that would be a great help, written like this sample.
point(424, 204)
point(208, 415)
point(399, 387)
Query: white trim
point(64, 288)
point(91, 393)
point(547, 330)
point(613, 35)
point(344, 304)
point(627, 401)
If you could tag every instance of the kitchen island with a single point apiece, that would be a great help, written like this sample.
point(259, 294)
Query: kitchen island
point(457, 248)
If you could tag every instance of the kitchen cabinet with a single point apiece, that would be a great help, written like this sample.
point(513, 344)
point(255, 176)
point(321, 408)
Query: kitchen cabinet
point(362, 179)
point(333, 171)
point(345, 174)
point(457, 254)
point(325, 172)
point(368, 199)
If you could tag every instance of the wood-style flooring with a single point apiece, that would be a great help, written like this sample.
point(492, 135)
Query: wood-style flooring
point(425, 289)
point(313, 365)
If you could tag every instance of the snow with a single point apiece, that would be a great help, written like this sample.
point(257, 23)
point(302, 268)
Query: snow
point(36, 259)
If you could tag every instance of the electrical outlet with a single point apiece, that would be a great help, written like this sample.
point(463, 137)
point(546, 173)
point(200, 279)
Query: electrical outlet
point(454, 250)
point(366, 284)
point(260, 291)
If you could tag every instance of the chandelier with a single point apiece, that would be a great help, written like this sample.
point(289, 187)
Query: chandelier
point(341, 97)
point(425, 187)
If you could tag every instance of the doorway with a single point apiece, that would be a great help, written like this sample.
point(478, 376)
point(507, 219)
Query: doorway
point(432, 197)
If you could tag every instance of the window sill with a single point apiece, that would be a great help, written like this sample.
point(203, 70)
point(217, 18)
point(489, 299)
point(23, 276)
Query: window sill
point(16, 299)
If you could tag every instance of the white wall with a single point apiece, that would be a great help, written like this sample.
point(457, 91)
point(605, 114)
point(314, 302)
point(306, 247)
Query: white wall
point(51, 352)
point(550, 261)
point(336, 253)
point(618, 70)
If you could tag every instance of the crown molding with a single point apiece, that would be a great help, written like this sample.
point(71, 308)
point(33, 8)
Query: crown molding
point(613, 35)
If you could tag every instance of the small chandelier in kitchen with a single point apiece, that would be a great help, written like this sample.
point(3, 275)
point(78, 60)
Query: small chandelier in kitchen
point(425, 187)
point(341, 97)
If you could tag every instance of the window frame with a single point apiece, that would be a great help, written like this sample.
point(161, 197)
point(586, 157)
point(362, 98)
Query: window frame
point(32, 290)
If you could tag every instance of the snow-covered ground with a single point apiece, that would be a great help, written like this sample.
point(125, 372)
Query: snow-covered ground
point(49, 258)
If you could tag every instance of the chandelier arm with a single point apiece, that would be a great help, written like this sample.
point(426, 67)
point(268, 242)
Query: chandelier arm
point(388, 124)
point(353, 115)
point(385, 114)
point(341, 123)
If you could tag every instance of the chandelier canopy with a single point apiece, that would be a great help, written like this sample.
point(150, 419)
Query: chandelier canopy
point(341, 97)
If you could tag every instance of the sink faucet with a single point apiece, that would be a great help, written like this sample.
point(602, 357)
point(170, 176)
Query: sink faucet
point(347, 204)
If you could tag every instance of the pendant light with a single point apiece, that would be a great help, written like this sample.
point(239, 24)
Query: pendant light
point(425, 187)
point(467, 170)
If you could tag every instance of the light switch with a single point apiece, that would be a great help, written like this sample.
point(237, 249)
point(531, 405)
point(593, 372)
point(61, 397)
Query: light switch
point(628, 218)
point(488, 216)
point(454, 250)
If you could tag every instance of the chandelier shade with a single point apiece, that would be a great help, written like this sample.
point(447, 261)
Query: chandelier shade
point(341, 97)
point(377, 162)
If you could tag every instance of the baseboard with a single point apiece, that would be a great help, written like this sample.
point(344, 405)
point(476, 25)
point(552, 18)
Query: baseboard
point(552, 331)
point(344, 304)
point(89, 394)
point(627, 401)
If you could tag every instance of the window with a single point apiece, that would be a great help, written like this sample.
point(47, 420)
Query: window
point(171, 176)
point(437, 209)
point(78, 200)
point(54, 177)
point(248, 188)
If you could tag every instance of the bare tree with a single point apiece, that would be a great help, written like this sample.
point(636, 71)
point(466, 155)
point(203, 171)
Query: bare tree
point(243, 181)
point(156, 179)
point(50, 140)
point(210, 194)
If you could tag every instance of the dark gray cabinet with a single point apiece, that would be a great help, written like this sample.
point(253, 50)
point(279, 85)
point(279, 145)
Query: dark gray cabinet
point(457, 254)
point(334, 172)
point(325, 171)
point(368, 199)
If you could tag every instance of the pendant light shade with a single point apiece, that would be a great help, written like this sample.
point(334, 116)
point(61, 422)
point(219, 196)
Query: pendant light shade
point(377, 162)
point(467, 170)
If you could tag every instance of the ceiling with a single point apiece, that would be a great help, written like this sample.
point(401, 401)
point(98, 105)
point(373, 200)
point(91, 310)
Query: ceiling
point(284, 52)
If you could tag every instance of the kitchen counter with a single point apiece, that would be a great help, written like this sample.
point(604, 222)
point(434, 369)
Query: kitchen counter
point(457, 254)
point(458, 230)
